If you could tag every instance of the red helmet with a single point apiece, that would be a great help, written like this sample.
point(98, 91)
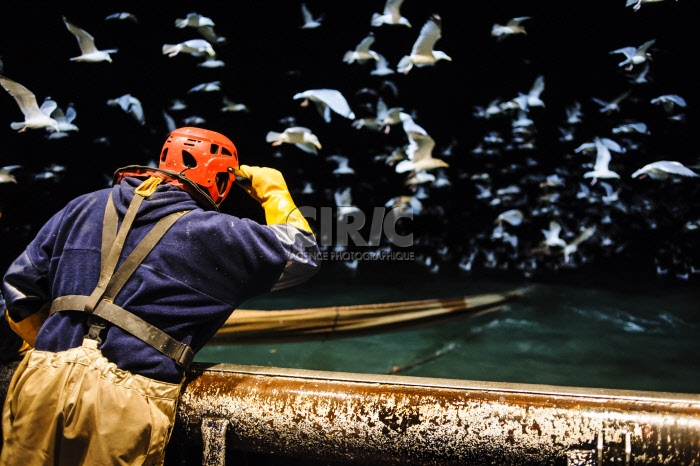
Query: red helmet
point(204, 157)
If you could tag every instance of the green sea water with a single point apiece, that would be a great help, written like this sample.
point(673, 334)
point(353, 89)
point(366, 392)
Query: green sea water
point(635, 336)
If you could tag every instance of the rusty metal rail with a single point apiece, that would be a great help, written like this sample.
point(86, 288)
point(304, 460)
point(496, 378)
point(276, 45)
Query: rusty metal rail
point(229, 411)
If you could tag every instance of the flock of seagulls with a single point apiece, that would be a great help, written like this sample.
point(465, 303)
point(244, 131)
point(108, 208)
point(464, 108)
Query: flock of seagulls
point(500, 179)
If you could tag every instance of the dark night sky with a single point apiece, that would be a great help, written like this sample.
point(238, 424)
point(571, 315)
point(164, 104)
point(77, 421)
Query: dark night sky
point(269, 59)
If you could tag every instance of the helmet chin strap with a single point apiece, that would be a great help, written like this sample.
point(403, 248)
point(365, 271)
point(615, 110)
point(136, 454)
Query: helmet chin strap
point(176, 179)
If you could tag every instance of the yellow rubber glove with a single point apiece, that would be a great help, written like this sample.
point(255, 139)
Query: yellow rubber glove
point(267, 186)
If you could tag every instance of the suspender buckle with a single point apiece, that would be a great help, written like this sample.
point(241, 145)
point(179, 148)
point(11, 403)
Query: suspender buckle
point(96, 326)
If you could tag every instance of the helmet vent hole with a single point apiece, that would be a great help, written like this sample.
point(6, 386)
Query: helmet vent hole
point(188, 159)
point(190, 142)
point(163, 155)
point(214, 149)
point(225, 151)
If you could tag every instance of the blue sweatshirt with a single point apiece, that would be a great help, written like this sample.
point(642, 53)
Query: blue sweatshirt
point(202, 269)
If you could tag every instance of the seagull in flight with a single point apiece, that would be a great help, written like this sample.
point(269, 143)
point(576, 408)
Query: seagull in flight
point(35, 117)
point(194, 20)
point(130, 105)
point(64, 120)
point(195, 47)
point(512, 216)
point(634, 55)
point(532, 98)
point(572, 247)
point(637, 4)
point(326, 100)
point(381, 66)
point(423, 53)
point(88, 51)
point(362, 52)
point(613, 105)
point(664, 169)
point(301, 137)
point(601, 168)
point(309, 21)
point(122, 16)
point(669, 102)
point(390, 15)
point(551, 236)
point(512, 27)
point(420, 154)
point(344, 203)
point(343, 167)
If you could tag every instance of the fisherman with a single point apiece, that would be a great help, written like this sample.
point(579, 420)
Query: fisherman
point(122, 287)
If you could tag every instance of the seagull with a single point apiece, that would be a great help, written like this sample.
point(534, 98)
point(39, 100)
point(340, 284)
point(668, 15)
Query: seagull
point(572, 247)
point(203, 24)
point(551, 236)
point(532, 98)
point(512, 27)
point(309, 21)
point(326, 100)
point(169, 122)
point(610, 194)
point(177, 104)
point(88, 51)
point(635, 127)
point(669, 102)
point(420, 154)
point(211, 62)
point(634, 55)
point(6, 175)
point(423, 53)
point(362, 52)
point(343, 165)
point(64, 120)
point(613, 105)
point(212, 86)
point(130, 105)
point(388, 117)
point(231, 106)
point(418, 178)
point(34, 117)
point(195, 47)
point(381, 66)
point(344, 203)
point(404, 205)
point(492, 109)
point(122, 16)
point(663, 169)
point(602, 161)
point(390, 15)
point(194, 120)
point(301, 137)
point(409, 125)
point(194, 20)
point(641, 76)
point(611, 144)
point(513, 217)
point(636, 4)
point(574, 115)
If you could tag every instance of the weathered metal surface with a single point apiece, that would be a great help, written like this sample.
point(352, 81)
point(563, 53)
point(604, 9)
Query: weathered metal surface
point(396, 420)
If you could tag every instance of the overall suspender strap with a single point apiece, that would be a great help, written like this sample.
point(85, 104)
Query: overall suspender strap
point(181, 353)
point(108, 265)
point(100, 304)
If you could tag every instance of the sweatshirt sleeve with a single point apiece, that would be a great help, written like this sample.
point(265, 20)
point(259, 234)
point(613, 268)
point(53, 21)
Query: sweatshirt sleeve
point(26, 286)
point(303, 255)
